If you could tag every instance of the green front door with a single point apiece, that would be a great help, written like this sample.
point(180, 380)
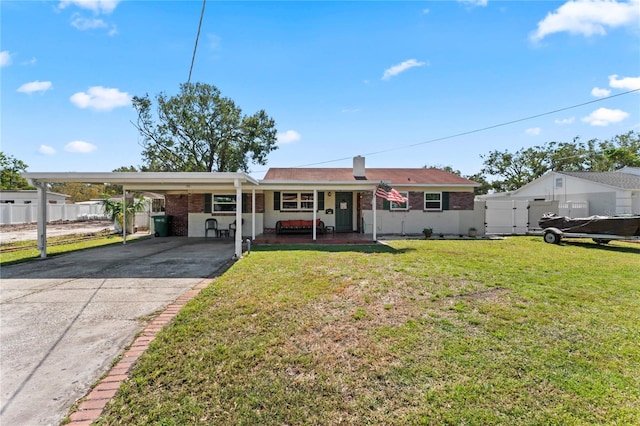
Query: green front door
point(344, 211)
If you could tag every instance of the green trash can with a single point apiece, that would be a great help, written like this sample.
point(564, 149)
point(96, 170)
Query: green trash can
point(161, 226)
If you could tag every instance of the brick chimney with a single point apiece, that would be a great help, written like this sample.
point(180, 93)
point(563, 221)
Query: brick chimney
point(358, 167)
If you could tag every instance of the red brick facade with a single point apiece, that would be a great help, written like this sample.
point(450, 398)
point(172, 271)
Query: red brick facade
point(457, 201)
point(177, 208)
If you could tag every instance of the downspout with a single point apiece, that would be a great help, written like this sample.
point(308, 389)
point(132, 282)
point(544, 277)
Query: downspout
point(42, 218)
point(315, 213)
point(375, 222)
point(238, 234)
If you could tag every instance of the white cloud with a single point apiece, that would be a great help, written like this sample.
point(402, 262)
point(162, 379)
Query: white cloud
point(425, 11)
point(83, 24)
point(564, 121)
point(588, 17)
point(5, 58)
point(101, 98)
point(46, 150)
point(31, 61)
point(629, 83)
point(80, 146)
point(475, 2)
point(289, 136)
point(600, 93)
point(534, 131)
point(397, 69)
point(96, 6)
point(605, 116)
point(35, 86)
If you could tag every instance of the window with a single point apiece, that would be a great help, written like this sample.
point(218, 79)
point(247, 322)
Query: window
point(224, 203)
point(559, 182)
point(297, 201)
point(400, 206)
point(433, 200)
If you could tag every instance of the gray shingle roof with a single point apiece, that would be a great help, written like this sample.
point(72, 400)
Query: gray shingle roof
point(617, 179)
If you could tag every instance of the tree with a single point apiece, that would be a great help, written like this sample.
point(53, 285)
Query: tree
point(513, 170)
point(113, 210)
point(78, 191)
point(201, 131)
point(10, 169)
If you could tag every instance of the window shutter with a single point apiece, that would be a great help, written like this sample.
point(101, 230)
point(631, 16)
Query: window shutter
point(445, 201)
point(276, 201)
point(207, 203)
point(386, 204)
point(245, 203)
point(320, 201)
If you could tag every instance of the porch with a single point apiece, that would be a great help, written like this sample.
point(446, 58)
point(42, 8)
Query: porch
point(327, 238)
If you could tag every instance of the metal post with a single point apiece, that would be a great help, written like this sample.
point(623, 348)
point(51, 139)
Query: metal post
point(238, 234)
point(124, 215)
point(375, 223)
point(253, 214)
point(315, 213)
point(42, 219)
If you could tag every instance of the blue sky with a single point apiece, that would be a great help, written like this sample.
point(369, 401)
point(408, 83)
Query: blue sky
point(392, 81)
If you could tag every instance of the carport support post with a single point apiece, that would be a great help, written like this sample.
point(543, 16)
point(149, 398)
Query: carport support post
point(238, 234)
point(315, 212)
point(253, 214)
point(124, 215)
point(42, 219)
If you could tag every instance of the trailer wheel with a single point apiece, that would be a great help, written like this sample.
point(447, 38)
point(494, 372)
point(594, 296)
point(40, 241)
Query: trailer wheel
point(551, 237)
point(601, 241)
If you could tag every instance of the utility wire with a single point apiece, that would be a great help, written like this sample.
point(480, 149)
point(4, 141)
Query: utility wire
point(195, 47)
point(470, 131)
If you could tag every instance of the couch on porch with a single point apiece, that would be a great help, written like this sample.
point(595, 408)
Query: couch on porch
point(298, 225)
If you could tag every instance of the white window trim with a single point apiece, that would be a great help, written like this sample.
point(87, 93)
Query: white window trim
point(226, 203)
point(299, 201)
point(393, 206)
point(432, 209)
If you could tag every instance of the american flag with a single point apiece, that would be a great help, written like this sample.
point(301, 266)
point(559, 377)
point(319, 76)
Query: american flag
point(389, 194)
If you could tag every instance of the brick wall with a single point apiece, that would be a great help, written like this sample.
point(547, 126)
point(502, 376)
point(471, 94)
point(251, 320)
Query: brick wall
point(196, 203)
point(177, 207)
point(461, 200)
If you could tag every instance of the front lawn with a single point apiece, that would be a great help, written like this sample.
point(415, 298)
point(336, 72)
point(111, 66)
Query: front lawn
point(417, 332)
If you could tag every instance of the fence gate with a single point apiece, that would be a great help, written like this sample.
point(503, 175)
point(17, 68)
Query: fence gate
point(506, 217)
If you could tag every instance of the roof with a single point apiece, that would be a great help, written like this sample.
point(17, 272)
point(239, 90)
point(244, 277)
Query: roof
point(422, 176)
point(616, 179)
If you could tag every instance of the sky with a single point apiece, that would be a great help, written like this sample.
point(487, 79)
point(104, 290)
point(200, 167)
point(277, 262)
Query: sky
point(405, 84)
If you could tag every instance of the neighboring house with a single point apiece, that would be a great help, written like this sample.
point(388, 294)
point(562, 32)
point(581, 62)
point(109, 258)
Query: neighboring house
point(606, 193)
point(29, 196)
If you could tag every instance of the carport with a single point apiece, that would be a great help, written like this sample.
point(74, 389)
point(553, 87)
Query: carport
point(160, 182)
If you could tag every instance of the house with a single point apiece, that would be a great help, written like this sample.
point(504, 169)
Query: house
point(343, 199)
point(603, 193)
point(28, 196)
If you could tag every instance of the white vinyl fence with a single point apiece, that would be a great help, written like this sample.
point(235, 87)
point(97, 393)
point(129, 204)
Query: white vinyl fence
point(574, 209)
point(15, 214)
point(506, 217)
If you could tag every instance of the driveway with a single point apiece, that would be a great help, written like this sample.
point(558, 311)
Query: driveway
point(64, 319)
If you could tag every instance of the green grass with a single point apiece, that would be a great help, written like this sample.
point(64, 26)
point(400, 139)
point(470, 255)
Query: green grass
point(420, 332)
point(24, 251)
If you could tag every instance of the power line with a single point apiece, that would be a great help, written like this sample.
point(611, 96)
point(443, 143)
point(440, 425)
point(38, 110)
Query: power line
point(470, 131)
point(195, 47)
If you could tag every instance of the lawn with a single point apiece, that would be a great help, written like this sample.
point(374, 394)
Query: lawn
point(417, 332)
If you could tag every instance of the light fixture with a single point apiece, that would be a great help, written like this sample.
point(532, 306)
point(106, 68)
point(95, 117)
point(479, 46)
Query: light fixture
point(329, 193)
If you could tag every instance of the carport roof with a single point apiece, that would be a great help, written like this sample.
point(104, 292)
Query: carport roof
point(146, 180)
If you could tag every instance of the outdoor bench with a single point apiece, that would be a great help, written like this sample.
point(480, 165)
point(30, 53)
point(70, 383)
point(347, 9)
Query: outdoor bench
point(298, 225)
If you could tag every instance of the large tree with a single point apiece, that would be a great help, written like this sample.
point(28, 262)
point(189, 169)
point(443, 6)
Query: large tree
point(513, 170)
point(199, 130)
point(10, 169)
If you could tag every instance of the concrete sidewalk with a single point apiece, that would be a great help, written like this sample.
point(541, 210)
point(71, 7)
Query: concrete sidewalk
point(63, 320)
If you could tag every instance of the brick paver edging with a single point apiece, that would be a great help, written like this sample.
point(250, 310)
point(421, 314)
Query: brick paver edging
point(93, 404)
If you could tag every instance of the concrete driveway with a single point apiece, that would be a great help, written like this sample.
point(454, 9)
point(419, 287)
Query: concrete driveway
point(64, 319)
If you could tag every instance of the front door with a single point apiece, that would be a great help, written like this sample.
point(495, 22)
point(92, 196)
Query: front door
point(344, 211)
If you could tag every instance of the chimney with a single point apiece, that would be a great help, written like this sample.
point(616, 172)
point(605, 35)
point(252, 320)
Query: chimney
point(358, 167)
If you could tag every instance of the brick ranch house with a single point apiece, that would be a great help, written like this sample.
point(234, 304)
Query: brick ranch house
point(342, 198)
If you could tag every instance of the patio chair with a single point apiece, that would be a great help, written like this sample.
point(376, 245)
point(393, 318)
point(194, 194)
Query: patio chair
point(211, 224)
point(232, 227)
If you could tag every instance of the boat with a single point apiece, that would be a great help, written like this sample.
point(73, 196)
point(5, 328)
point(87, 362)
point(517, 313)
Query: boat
point(626, 226)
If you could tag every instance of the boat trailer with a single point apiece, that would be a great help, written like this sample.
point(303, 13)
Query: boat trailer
point(555, 235)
